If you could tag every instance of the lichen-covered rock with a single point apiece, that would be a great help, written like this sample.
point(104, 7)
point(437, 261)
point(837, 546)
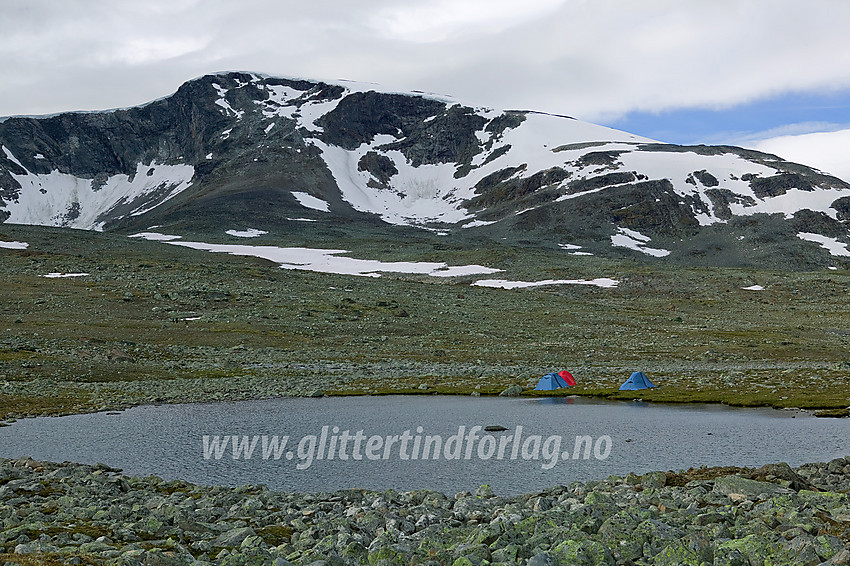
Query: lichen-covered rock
point(615, 521)
point(754, 549)
point(695, 549)
point(736, 485)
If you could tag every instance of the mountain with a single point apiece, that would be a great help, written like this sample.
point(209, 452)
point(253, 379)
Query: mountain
point(291, 156)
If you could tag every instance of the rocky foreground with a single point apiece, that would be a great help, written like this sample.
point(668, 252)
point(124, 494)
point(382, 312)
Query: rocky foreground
point(80, 514)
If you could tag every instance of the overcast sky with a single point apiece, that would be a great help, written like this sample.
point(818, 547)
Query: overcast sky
point(772, 74)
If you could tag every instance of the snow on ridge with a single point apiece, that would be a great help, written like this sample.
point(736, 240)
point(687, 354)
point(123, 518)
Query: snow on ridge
point(431, 193)
point(62, 199)
point(222, 101)
point(728, 168)
point(793, 201)
point(427, 193)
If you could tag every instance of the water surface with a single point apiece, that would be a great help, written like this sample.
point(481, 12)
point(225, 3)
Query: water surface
point(167, 441)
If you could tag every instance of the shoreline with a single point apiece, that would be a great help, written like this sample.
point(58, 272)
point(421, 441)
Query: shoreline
point(67, 513)
point(180, 395)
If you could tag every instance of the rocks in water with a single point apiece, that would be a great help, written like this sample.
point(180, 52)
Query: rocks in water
point(512, 391)
point(74, 513)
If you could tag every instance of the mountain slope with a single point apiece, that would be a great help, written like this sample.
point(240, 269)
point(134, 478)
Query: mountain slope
point(239, 149)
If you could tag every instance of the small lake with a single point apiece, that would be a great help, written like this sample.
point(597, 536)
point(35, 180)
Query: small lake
point(417, 442)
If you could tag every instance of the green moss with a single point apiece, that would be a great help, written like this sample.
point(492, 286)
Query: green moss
point(275, 535)
point(44, 559)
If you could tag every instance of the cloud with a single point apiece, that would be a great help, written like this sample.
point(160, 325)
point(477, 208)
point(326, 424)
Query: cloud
point(826, 151)
point(437, 20)
point(593, 59)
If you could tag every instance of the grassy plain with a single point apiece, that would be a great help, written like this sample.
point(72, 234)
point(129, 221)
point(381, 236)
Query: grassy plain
point(152, 322)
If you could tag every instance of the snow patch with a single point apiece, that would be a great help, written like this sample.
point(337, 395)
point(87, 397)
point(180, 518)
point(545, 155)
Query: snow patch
point(222, 101)
point(753, 288)
point(476, 223)
point(831, 244)
point(14, 245)
point(325, 261)
point(633, 240)
point(504, 284)
point(63, 275)
point(155, 236)
point(249, 233)
point(309, 201)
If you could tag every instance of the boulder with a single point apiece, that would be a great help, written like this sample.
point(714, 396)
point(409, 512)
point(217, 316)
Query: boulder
point(750, 489)
point(512, 391)
point(233, 537)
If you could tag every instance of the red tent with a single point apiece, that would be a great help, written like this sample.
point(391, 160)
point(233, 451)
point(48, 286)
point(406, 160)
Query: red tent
point(568, 377)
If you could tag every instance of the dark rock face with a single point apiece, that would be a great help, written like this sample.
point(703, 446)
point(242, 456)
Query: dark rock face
point(842, 208)
point(604, 158)
point(704, 177)
point(594, 183)
point(722, 198)
point(379, 166)
point(779, 185)
point(500, 188)
point(637, 207)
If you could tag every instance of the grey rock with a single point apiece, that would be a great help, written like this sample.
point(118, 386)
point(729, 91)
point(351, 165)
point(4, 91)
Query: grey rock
point(654, 480)
point(541, 559)
point(841, 558)
point(736, 485)
point(233, 537)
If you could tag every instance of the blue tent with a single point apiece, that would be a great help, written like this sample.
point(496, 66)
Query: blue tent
point(550, 381)
point(637, 380)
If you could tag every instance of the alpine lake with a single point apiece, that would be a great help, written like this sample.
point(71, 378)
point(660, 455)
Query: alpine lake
point(445, 443)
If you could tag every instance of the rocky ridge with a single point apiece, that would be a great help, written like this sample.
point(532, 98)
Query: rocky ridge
point(303, 157)
point(73, 514)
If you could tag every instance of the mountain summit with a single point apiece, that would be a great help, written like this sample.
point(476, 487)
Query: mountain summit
point(281, 154)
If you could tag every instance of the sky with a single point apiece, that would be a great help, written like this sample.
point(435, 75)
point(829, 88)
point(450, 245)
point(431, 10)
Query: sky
point(767, 74)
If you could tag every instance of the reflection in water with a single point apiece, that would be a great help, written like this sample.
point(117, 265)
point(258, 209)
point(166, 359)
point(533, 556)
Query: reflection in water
point(556, 401)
